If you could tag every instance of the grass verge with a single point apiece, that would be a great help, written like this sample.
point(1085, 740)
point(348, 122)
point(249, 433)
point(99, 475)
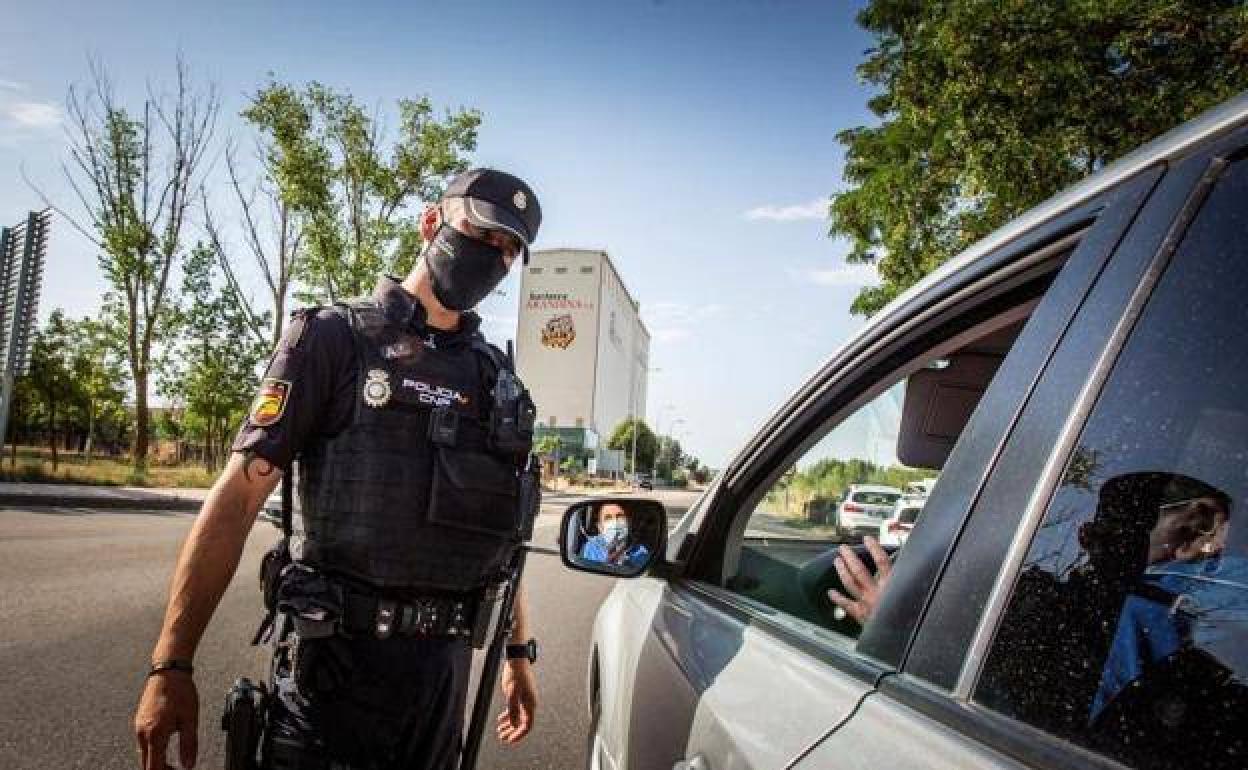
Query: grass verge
point(35, 467)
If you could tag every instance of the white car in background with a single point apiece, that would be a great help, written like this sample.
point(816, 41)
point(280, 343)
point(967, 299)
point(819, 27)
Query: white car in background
point(896, 528)
point(919, 489)
point(863, 506)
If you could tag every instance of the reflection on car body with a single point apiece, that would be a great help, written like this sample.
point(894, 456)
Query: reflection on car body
point(1070, 397)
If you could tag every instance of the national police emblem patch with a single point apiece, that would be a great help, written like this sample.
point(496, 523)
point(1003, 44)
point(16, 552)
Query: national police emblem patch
point(377, 388)
point(270, 402)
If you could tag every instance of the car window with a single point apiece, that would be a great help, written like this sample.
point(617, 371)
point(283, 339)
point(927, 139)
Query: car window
point(791, 538)
point(875, 498)
point(1127, 628)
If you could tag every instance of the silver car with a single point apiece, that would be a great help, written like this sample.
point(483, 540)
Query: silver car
point(1074, 594)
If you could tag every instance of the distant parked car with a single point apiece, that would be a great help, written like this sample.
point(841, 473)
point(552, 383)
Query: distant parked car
point(644, 481)
point(896, 528)
point(819, 509)
point(863, 506)
point(919, 489)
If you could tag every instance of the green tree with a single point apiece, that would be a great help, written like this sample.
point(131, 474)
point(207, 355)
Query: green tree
point(647, 443)
point(134, 172)
point(352, 190)
point(23, 414)
point(988, 108)
point(548, 445)
point(212, 366)
point(51, 376)
point(99, 369)
point(670, 457)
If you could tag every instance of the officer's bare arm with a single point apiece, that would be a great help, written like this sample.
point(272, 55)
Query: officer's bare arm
point(520, 616)
point(212, 551)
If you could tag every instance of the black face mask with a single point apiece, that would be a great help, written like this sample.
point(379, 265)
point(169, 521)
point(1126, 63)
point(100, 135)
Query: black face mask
point(464, 270)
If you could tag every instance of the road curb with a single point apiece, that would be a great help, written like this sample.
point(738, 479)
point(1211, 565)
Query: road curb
point(152, 503)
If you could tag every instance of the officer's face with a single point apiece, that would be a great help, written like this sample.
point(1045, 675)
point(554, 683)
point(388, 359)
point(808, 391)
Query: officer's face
point(457, 217)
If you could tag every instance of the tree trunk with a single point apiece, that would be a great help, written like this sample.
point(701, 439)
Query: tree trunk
point(86, 452)
point(142, 419)
point(52, 433)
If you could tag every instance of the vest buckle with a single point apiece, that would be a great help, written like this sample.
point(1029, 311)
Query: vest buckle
point(383, 625)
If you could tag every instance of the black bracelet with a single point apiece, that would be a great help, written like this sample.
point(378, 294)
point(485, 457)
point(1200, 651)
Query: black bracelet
point(173, 664)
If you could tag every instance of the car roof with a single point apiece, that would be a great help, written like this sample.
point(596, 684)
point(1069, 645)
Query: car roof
point(1227, 116)
point(874, 488)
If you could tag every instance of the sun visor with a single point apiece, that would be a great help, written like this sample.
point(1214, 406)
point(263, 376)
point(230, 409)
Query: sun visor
point(938, 404)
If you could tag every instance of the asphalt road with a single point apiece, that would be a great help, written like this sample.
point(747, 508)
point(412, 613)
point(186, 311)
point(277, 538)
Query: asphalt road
point(82, 593)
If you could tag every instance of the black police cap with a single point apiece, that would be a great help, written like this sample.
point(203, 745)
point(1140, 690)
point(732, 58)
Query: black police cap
point(498, 200)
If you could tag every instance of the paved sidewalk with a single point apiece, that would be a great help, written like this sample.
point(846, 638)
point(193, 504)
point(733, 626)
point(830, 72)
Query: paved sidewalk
point(15, 494)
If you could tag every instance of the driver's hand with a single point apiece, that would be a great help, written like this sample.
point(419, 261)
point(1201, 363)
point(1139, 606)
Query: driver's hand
point(864, 588)
point(169, 704)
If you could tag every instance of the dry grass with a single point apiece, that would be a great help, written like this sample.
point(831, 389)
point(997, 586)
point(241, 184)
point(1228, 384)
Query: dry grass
point(35, 466)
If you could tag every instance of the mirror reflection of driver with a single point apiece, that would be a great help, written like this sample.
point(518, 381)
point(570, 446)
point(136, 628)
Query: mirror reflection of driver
point(611, 544)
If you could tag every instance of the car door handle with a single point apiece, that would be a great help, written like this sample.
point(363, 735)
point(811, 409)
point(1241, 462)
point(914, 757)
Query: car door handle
point(696, 762)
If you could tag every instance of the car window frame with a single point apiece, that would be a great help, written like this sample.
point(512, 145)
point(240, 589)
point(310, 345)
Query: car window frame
point(1181, 193)
point(1044, 251)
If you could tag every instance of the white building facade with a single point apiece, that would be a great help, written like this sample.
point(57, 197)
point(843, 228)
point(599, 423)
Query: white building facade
point(581, 347)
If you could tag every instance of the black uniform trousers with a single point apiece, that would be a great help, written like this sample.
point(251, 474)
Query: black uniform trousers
point(399, 706)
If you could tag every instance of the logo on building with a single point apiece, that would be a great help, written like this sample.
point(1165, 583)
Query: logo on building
point(559, 332)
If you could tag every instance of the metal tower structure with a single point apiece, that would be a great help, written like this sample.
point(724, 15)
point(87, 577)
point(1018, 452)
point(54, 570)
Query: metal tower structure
point(22, 250)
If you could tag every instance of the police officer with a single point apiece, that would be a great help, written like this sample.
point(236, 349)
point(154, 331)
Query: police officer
point(407, 509)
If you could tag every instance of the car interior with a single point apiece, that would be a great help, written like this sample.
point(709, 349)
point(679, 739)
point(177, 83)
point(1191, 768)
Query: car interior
point(940, 392)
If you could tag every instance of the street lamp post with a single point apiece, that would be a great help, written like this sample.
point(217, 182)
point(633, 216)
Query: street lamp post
point(654, 469)
point(632, 411)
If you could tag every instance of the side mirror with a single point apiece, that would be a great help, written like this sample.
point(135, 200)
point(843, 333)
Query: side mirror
point(620, 537)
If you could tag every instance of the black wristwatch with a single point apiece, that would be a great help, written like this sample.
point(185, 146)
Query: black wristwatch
point(525, 650)
point(172, 664)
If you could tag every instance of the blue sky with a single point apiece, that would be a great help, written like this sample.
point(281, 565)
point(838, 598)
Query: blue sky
point(694, 140)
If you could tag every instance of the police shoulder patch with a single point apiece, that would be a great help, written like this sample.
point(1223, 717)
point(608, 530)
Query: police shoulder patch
point(270, 403)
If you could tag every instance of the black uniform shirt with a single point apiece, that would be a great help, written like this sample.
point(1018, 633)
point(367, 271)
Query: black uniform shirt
point(309, 389)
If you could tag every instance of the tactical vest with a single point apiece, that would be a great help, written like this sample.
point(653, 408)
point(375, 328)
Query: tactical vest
point(411, 495)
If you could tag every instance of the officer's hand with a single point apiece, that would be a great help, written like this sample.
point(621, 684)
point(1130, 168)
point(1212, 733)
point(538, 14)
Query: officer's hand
point(169, 704)
point(520, 690)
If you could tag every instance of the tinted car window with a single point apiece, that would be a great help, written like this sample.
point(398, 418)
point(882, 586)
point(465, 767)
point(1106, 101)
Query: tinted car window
point(909, 515)
point(1127, 631)
point(875, 498)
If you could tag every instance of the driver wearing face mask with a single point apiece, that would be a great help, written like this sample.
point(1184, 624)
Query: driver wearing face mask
point(611, 544)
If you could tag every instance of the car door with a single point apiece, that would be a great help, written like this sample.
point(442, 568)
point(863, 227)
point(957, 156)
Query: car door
point(744, 663)
point(1044, 641)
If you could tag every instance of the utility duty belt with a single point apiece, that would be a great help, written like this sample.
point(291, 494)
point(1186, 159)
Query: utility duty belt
point(432, 616)
point(318, 606)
